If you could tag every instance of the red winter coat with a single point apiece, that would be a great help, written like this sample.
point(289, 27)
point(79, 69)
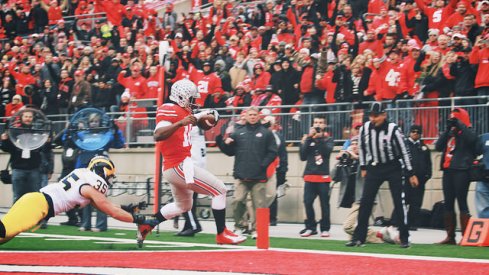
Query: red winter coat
point(480, 57)
point(136, 85)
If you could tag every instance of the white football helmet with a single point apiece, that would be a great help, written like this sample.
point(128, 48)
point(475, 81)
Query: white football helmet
point(183, 92)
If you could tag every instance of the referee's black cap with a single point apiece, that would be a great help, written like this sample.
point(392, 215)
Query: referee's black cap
point(377, 108)
point(416, 128)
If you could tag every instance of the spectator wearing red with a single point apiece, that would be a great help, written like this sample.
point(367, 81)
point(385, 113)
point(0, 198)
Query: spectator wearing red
point(381, 22)
point(430, 72)
point(260, 78)
point(268, 98)
point(208, 84)
point(439, 14)
point(443, 44)
point(54, 11)
point(136, 83)
point(141, 10)
point(153, 83)
point(458, 17)
point(130, 20)
point(341, 27)
point(432, 41)
point(217, 12)
point(82, 9)
point(383, 83)
point(114, 9)
point(14, 106)
point(408, 85)
point(371, 42)
point(241, 98)
point(326, 83)
point(480, 57)
point(23, 77)
point(283, 33)
point(375, 6)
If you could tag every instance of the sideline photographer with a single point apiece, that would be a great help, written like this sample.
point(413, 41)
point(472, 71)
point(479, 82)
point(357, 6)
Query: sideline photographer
point(315, 148)
point(351, 188)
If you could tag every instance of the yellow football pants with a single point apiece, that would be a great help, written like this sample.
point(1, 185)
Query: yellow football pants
point(26, 212)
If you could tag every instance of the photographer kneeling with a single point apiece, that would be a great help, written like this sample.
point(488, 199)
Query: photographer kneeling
point(351, 188)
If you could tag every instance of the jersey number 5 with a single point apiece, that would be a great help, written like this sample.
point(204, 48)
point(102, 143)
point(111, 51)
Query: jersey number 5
point(69, 180)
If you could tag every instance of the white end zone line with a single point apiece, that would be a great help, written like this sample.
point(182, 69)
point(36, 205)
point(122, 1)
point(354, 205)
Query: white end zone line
point(101, 270)
point(105, 240)
point(151, 243)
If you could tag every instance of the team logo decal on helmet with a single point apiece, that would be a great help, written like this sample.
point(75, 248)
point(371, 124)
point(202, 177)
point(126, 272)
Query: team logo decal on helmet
point(183, 92)
point(103, 167)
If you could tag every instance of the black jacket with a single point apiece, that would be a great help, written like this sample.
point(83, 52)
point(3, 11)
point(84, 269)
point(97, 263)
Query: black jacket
point(290, 94)
point(465, 151)
point(316, 152)
point(464, 74)
point(17, 162)
point(254, 148)
point(421, 159)
point(344, 85)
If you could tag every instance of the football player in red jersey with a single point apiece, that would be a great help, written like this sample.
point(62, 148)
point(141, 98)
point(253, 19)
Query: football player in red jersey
point(174, 121)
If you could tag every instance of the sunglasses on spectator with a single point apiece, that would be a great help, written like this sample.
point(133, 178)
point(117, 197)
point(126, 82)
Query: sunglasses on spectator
point(415, 132)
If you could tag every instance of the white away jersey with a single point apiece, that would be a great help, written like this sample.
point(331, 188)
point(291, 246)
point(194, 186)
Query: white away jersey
point(66, 193)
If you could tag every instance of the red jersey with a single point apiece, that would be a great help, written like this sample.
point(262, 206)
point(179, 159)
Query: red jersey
point(480, 57)
point(152, 85)
point(54, 14)
point(384, 82)
point(408, 76)
point(136, 85)
point(375, 6)
point(437, 16)
point(326, 83)
point(176, 147)
point(207, 85)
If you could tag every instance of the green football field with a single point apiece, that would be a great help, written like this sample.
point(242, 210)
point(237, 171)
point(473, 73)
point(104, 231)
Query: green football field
point(63, 238)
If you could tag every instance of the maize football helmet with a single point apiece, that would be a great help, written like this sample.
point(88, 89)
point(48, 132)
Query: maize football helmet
point(103, 167)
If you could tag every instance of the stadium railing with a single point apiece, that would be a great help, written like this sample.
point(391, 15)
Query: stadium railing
point(431, 114)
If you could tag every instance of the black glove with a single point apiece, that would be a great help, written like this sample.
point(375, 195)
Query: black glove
point(134, 208)
point(138, 218)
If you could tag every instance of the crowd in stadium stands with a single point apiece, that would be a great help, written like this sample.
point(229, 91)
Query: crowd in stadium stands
point(277, 52)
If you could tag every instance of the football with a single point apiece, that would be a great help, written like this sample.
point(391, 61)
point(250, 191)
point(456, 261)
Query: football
point(206, 122)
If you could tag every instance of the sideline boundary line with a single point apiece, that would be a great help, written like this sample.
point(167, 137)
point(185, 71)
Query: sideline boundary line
point(228, 248)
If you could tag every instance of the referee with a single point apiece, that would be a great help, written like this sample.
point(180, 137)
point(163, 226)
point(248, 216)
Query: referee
point(383, 157)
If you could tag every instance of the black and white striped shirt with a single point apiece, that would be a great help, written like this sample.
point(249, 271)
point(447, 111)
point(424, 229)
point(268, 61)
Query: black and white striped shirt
point(383, 145)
